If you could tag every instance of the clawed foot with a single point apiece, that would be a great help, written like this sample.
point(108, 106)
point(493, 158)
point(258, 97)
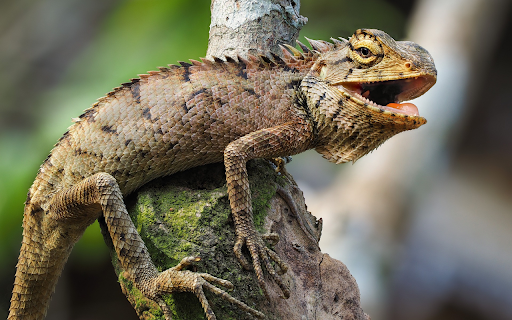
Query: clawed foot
point(178, 280)
point(259, 251)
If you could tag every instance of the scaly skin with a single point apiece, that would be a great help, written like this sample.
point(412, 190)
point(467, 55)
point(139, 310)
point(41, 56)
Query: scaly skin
point(204, 112)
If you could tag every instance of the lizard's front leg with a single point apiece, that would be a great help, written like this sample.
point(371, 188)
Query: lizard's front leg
point(101, 193)
point(287, 139)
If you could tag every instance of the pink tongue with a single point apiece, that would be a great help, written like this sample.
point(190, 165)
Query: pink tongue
point(407, 108)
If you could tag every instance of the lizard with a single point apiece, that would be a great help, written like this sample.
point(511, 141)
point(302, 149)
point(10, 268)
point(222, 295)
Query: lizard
point(342, 98)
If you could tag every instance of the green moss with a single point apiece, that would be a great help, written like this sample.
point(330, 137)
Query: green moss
point(263, 181)
point(188, 214)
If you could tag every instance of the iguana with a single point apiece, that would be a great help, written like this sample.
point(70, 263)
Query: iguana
point(342, 99)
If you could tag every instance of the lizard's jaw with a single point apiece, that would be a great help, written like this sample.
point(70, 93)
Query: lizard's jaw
point(388, 95)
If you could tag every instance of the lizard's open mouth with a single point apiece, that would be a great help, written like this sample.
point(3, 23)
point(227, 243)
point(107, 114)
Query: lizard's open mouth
point(388, 95)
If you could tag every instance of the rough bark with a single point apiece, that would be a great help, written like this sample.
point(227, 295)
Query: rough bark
point(189, 214)
point(239, 27)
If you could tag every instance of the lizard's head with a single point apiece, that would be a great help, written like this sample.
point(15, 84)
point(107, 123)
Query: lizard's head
point(368, 77)
point(379, 72)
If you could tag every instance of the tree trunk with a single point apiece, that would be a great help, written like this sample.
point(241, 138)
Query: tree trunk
point(239, 27)
point(189, 214)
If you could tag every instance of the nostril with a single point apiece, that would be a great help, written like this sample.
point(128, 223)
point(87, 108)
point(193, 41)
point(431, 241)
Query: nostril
point(408, 65)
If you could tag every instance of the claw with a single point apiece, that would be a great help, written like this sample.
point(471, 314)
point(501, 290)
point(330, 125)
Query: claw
point(257, 269)
point(239, 255)
point(277, 279)
point(261, 254)
point(186, 262)
point(218, 281)
point(237, 302)
point(283, 267)
point(178, 280)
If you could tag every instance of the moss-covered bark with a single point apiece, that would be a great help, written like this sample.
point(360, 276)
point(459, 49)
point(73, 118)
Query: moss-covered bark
point(189, 214)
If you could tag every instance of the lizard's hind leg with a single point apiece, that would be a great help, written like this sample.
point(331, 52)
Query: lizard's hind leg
point(101, 192)
point(49, 234)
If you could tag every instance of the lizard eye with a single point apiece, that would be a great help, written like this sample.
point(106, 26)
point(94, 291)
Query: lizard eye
point(364, 52)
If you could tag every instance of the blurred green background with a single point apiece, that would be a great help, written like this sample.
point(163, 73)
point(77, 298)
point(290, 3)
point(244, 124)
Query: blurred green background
point(58, 56)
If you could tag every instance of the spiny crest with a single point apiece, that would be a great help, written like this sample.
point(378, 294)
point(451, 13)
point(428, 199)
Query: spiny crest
point(131, 83)
point(251, 61)
point(185, 64)
point(306, 58)
point(320, 45)
point(291, 58)
point(126, 85)
point(121, 87)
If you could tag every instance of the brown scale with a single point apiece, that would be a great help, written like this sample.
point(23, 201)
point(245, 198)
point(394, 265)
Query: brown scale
point(204, 112)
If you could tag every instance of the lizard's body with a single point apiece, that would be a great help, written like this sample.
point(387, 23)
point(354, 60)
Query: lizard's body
point(162, 124)
point(187, 116)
